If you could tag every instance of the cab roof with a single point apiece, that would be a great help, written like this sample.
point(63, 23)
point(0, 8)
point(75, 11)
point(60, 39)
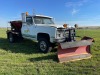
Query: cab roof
point(43, 16)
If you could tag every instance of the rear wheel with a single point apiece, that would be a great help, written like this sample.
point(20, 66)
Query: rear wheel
point(11, 38)
point(44, 45)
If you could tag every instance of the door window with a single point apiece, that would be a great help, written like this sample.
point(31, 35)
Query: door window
point(29, 20)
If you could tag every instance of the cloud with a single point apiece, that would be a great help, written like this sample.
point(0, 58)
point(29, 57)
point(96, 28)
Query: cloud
point(74, 11)
point(75, 5)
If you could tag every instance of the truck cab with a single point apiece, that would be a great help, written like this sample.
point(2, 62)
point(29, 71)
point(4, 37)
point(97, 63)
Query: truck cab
point(38, 26)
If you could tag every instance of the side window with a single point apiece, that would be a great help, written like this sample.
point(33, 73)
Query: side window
point(38, 21)
point(29, 20)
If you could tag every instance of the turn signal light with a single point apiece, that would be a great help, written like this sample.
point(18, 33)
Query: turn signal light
point(26, 13)
point(65, 25)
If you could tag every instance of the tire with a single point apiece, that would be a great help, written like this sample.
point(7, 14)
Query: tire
point(11, 38)
point(53, 45)
point(44, 45)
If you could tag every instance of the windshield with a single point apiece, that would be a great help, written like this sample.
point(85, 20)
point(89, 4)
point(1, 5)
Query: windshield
point(43, 20)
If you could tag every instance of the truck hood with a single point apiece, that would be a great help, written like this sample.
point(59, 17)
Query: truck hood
point(51, 25)
point(57, 26)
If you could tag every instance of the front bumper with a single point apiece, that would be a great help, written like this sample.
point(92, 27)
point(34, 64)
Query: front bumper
point(59, 40)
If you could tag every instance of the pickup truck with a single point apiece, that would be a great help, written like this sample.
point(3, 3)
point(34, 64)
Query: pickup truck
point(41, 29)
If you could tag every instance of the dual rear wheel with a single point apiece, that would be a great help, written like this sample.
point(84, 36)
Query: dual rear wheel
point(11, 38)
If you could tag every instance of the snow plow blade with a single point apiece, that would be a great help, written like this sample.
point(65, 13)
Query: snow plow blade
point(72, 51)
point(75, 44)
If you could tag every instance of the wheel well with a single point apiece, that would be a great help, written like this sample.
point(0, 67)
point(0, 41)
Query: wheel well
point(43, 35)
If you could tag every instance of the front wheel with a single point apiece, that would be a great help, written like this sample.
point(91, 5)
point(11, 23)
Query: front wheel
point(44, 45)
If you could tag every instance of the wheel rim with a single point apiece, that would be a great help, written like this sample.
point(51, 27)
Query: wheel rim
point(43, 46)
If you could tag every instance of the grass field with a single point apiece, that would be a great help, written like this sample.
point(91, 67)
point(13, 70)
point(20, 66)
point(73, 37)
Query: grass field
point(24, 58)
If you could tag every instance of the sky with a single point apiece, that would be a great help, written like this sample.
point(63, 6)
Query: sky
point(81, 12)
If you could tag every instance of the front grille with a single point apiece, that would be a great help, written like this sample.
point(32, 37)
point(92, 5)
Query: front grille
point(68, 34)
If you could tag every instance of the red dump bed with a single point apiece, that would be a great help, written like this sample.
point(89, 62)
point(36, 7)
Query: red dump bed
point(16, 24)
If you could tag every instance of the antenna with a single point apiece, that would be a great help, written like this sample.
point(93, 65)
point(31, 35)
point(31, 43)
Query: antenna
point(33, 12)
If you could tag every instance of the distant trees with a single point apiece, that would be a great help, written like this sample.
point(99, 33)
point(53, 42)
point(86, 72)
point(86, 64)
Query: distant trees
point(76, 25)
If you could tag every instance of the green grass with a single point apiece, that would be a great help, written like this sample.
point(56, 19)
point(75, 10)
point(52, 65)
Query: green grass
point(24, 59)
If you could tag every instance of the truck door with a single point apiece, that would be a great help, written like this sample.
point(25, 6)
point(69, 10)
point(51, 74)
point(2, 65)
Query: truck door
point(27, 28)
